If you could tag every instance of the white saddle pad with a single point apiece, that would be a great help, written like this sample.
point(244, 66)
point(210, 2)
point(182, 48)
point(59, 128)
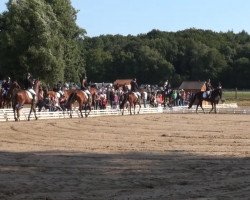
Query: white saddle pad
point(29, 94)
point(85, 94)
point(58, 95)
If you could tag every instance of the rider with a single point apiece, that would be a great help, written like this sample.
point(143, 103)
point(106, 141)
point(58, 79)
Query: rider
point(134, 87)
point(85, 87)
point(29, 85)
point(6, 86)
point(209, 88)
point(59, 88)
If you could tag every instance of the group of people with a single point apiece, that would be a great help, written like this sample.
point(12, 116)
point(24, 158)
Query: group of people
point(60, 87)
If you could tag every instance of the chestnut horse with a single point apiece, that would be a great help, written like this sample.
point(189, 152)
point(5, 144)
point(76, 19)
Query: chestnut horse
point(83, 101)
point(133, 100)
point(62, 100)
point(20, 98)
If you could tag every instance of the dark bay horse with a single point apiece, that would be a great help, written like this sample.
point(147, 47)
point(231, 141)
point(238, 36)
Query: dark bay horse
point(21, 97)
point(133, 100)
point(214, 99)
point(5, 99)
point(83, 100)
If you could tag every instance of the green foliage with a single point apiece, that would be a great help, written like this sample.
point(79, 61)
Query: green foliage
point(41, 37)
point(185, 55)
point(36, 37)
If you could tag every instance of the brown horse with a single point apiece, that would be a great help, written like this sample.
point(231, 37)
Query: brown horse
point(94, 95)
point(133, 100)
point(20, 98)
point(83, 100)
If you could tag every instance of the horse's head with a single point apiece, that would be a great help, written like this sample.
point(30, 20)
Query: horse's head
point(37, 84)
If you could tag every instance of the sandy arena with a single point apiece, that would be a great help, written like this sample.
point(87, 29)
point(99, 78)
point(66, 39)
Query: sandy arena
point(161, 156)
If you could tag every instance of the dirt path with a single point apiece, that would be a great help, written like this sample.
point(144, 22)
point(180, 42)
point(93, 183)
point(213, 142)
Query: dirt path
point(163, 156)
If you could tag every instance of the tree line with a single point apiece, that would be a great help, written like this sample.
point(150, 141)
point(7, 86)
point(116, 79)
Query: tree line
point(42, 37)
point(154, 57)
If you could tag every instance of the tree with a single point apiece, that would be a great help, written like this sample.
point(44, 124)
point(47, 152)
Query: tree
point(41, 37)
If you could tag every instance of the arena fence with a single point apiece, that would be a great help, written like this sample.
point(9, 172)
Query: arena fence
point(8, 115)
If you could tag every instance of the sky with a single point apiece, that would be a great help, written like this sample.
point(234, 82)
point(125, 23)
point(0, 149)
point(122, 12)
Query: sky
point(101, 17)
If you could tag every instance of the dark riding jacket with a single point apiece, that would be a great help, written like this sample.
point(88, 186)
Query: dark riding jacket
point(29, 83)
point(84, 85)
point(134, 86)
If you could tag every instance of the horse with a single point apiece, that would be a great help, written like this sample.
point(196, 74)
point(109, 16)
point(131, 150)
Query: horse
point(52, 95)
point(167, 97)
point(5, 99)
point(133, 100)
point(214, 99)
point(83, 100)
point(94, 95)
point(21, 97)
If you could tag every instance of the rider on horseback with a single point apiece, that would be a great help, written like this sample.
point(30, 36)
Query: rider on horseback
point(85, 87)
point(135, 88)
point(209, 88)
point(29, 84)
point(6, 86)
point(60, 89)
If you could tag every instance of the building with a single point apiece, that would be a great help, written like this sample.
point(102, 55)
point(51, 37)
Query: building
point(194, 87)
point(121, 82)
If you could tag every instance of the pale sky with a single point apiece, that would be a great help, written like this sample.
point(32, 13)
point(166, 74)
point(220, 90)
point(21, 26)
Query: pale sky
point(101, 17)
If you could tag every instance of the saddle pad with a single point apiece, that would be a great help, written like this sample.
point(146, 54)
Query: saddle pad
point(29, 94)
point(85, 94)
point(135, 94)
point(58, 95)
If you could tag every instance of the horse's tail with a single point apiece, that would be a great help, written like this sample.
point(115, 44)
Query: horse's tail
point(71, 99)
point(192, 101)
point(125, 99)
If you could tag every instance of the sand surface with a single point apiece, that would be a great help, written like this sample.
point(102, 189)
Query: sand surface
point(161, 156)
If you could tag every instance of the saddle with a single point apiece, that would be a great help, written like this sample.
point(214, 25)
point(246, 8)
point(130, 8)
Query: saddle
point(30, 94)
point(86, 95)
point(206, 94)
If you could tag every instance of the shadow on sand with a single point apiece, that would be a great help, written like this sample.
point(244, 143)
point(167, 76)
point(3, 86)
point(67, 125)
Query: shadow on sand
point(72, 175)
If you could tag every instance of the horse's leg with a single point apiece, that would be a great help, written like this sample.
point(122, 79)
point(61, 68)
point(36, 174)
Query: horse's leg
point(86, 115)
point(139, 103)
point(212, 107)
point(202, 107)
point(197, 108)
point(215, 111)
point(70, 110)
point(31, 108)
point(18, 113)
point(80, 109)
point(14, 110)
point(34, 110)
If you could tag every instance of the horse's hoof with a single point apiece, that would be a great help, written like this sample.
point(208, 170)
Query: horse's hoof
point(16, 119)
point(36, 118)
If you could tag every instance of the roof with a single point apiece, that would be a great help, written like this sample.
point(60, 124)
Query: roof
point(192, 85)
point(122, 82)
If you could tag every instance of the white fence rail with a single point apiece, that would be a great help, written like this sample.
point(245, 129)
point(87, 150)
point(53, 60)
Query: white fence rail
point(7, 114)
